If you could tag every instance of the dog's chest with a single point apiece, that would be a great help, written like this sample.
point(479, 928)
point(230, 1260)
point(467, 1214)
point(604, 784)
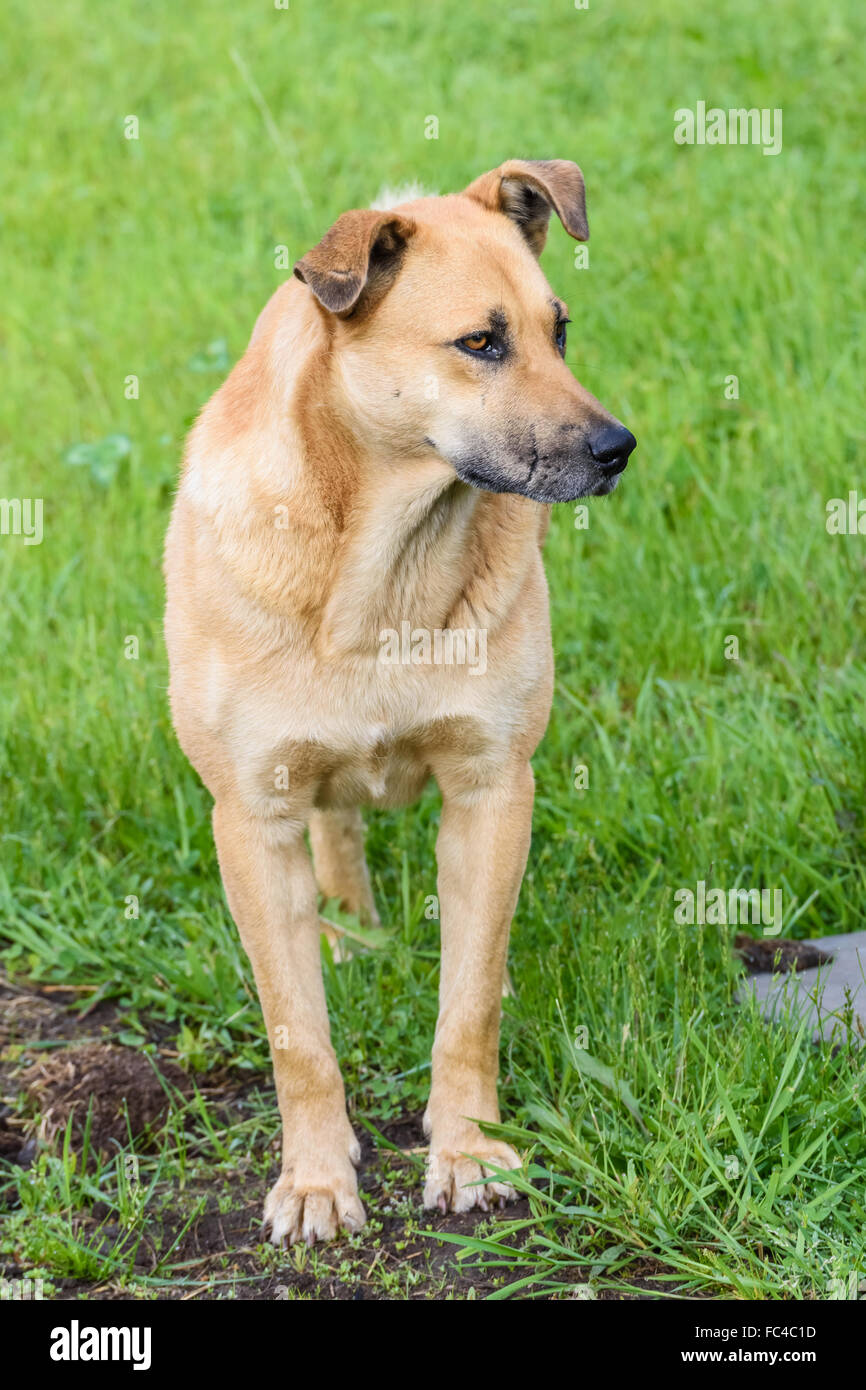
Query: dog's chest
point(371, 737)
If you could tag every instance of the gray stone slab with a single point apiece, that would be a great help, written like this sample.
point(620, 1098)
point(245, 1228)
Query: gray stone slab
point(823, 994)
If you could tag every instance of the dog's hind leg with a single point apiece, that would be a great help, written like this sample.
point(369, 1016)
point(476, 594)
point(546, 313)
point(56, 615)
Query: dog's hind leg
point(337, 842)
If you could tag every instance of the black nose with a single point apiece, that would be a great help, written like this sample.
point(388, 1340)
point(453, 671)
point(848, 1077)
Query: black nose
point(610, 446)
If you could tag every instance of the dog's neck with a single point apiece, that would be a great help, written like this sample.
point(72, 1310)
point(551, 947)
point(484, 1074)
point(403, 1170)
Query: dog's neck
point(420, 547)
point(401, 556)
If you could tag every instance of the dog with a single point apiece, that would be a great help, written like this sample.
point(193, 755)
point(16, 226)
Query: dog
point(382, 460)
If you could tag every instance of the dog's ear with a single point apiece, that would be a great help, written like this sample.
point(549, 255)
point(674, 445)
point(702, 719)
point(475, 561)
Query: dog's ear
point(359, 256)
point(527, 189)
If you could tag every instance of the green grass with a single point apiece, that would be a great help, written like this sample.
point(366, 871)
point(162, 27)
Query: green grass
point(688, 1131)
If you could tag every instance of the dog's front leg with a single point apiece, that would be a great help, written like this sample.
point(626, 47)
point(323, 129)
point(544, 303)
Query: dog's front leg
point(481, 850)
point(271, 891)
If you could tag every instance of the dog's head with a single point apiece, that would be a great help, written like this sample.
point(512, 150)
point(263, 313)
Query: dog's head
point(446, 336)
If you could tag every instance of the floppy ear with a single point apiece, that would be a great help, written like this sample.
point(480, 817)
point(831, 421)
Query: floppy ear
point(359, 255)
point(526, 190)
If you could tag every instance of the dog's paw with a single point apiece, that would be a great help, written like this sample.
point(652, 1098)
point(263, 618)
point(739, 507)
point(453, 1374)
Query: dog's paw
point(341, 946)
point(453, 1181)
point(316, 1206)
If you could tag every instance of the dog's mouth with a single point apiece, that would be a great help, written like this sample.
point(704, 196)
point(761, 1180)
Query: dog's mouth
point(553, 481)
point(606, 484)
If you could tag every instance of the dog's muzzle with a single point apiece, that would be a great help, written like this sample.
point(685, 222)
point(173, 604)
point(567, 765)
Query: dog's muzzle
point(573, 464)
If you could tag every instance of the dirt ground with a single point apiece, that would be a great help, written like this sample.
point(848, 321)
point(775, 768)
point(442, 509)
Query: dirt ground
point(57, 1062)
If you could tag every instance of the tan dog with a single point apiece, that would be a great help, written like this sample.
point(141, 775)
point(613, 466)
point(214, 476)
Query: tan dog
point(360, 518)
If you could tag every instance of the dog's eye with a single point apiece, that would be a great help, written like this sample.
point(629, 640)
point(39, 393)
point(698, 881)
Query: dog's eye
point(480, 345)
point(561, 335)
